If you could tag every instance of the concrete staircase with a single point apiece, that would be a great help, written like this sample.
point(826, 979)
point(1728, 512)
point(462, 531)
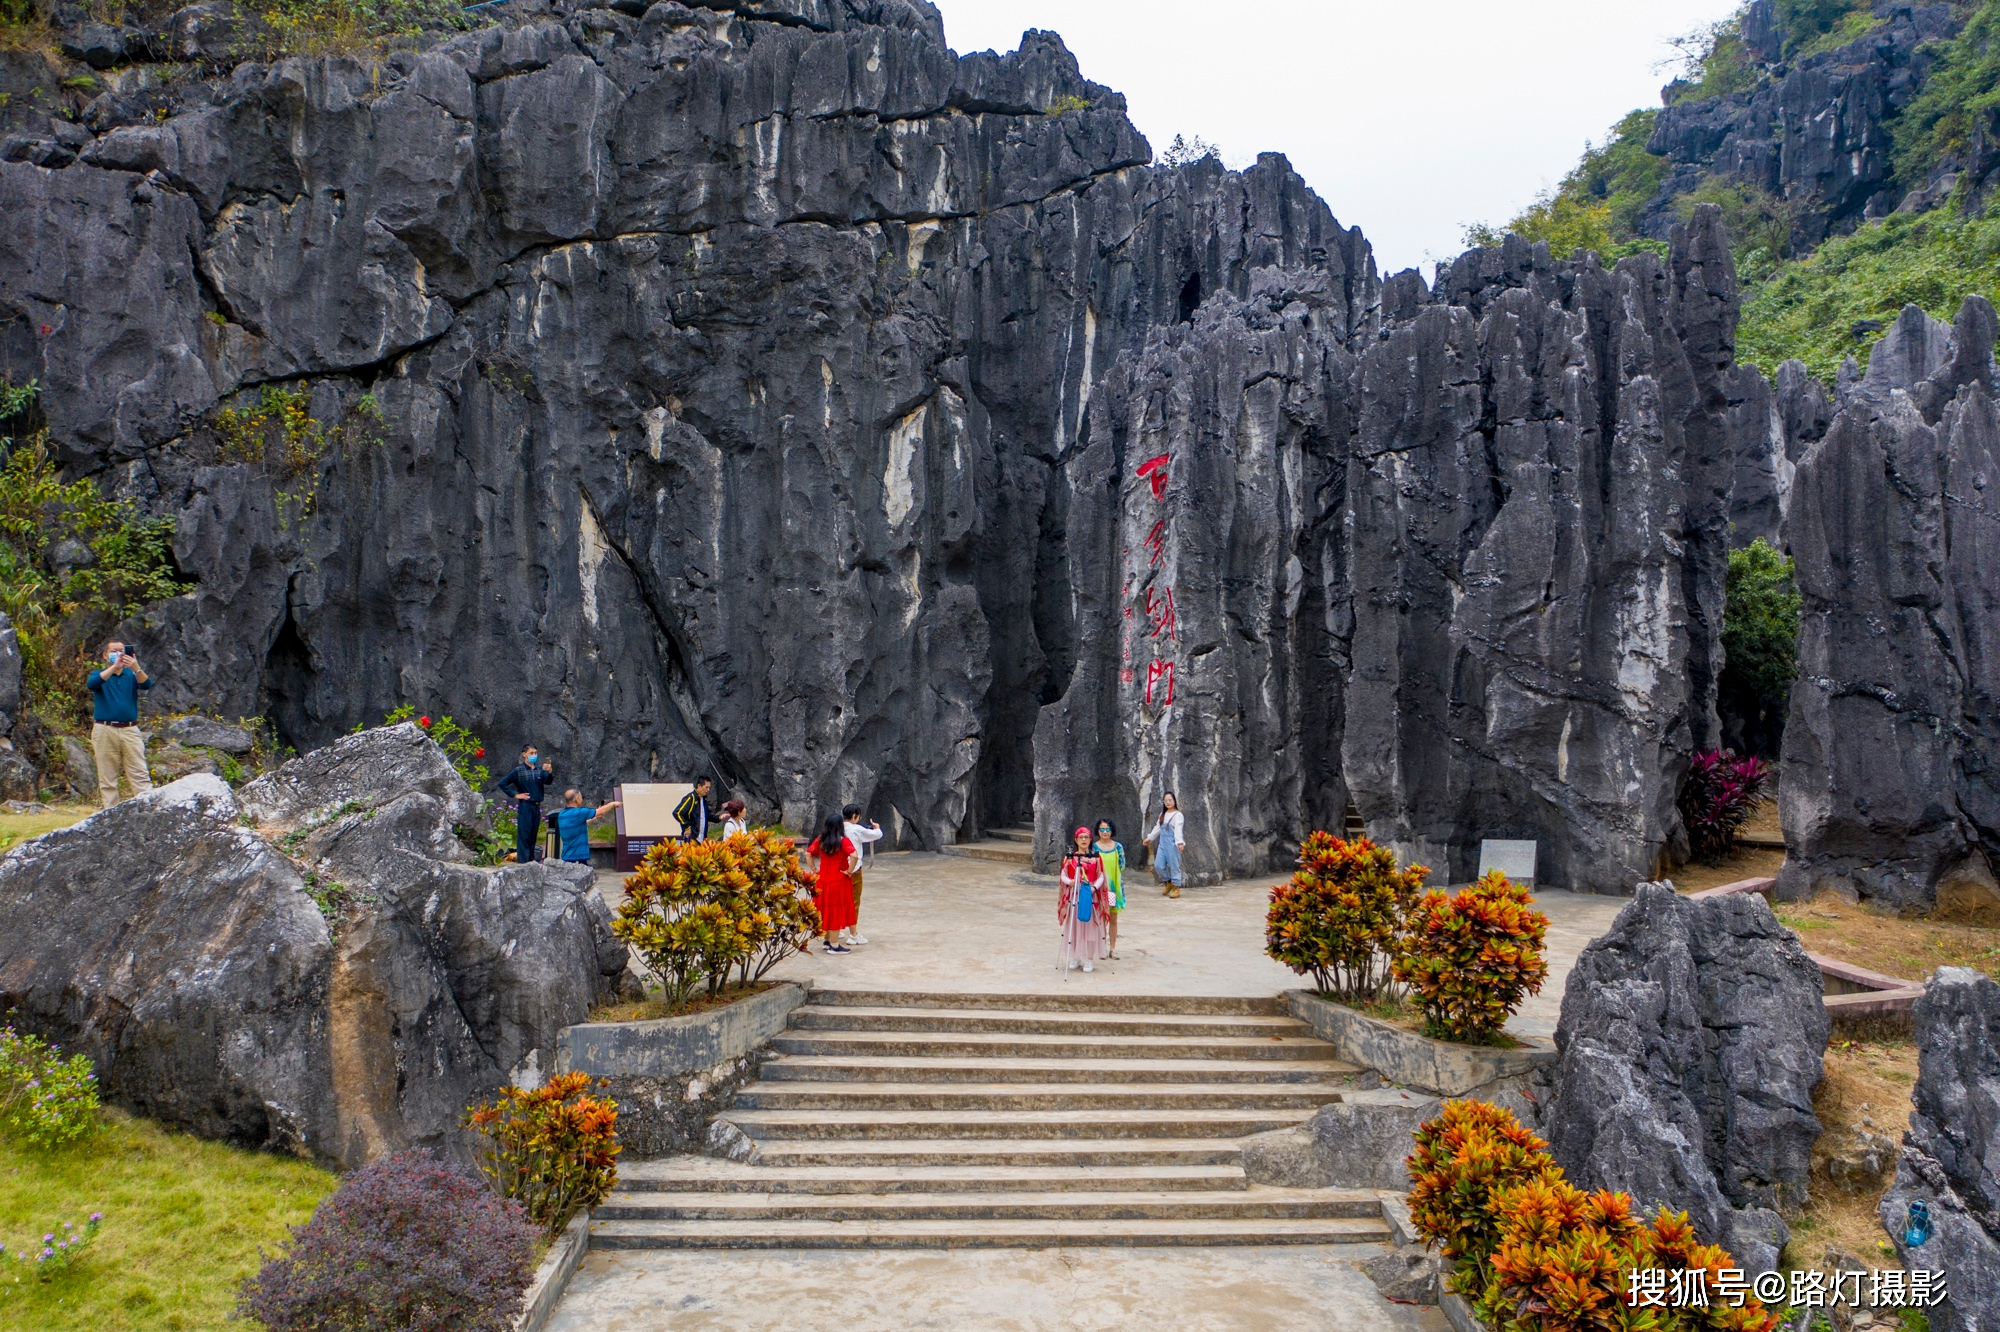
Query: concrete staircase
point(1007, 846)
point(954, 1121)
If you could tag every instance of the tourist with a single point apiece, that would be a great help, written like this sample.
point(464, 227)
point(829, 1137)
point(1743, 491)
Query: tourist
point(1082, 904)
point(114, 722)
point(1111, 854)
point(572, 825)
point(1170, 830)
point(862, 836)
point(834, 859)
point(733, 821)
point(692, 812)
point(527, 783)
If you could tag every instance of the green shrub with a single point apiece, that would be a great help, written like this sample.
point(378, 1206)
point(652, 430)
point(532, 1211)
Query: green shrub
point(1596, 207)
point(461, 746)
point(1471, 957)
point(1469, 1152)
point(344, 27)
point(1340, 919)
point(1959, 98)
point(1760, 637)
point(45, 1099)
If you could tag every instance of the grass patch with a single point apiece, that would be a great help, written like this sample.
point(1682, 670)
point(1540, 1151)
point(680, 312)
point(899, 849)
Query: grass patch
point(1893, 945)
point(647, 1010)
point(184, 1220)
point(18, 828)
point(1866, 1089)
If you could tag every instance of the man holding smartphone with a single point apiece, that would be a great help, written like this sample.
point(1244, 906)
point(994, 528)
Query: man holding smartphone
point(114, 732)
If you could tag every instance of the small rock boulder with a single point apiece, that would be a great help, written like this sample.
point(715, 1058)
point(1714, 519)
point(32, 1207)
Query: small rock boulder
point(1690, 1043)
point(80, 765)
point(1359, 1142)
point(207, 733)
point(1405, 1276)
point(360, 773)
point(19, 782)
point(1951, 1155)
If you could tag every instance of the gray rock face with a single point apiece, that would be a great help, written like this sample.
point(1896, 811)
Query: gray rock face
point(185, 953)
point(1359, 1142)
point(1889, 788)
point(10, 675)
point(207, 733)
point(1691, 1040)
point(1951, 1155)
point(1816, 132)
point(1308, 568)
point(80, 767)
point(739, 390)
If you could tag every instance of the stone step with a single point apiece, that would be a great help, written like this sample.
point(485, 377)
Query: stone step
point(853, 1017)
point(1255, 1202)
point(1014, 834)
point(998, 1153)
point(1036, 1045)
point(1228, 1005)
point(991, 1097)
point(1158, 1072)
point(1005, 853)
point(981, 1234)
point(1123, 1125)
point(706, 1174)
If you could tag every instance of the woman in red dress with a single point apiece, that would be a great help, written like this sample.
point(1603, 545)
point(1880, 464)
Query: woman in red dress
point(837, 859)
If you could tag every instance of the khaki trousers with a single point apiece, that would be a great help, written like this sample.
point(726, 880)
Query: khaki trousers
point(119, 749)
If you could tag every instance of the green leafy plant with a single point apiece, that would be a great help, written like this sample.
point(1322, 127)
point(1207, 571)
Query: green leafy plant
point(1471, 957)
point(1760, 635)
point(465, 750)
point(1467, 1153)
point(1068, 102)
point(45, 1099)
point(554, 1149)
point(1340, 919)
point(1958, 101)
point(275, 28)
point(1596, 206)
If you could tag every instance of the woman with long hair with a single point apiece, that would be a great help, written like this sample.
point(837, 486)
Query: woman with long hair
point(1171, 830)
point(835, 860)
point(1111, 855)
point(1082, 904)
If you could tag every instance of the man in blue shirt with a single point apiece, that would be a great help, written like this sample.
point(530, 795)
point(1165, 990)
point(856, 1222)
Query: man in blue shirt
point(572, 824)
point(114, 732)
point(526, 784)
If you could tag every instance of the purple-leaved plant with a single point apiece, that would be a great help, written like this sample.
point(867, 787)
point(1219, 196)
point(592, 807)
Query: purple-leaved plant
point(409, 1244)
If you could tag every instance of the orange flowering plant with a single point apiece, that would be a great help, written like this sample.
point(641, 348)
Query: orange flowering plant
point(1536, 1254)
point(1471, 957)
point(1340, 919)
point(695, 911)
point(554, 1149)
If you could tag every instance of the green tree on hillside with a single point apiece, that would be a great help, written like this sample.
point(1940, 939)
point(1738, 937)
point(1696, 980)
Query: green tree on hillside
point(1760, 635)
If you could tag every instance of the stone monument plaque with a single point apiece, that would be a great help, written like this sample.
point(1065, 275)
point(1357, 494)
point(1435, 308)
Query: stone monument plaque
point(1516, 860)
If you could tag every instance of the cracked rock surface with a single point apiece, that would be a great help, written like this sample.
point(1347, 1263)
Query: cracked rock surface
point(764, 390)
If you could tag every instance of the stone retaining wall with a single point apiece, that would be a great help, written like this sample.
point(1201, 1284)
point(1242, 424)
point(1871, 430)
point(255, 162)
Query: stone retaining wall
point(1410, 1060)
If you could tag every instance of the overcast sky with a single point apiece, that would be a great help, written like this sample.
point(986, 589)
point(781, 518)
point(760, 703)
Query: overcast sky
point(1411, 118)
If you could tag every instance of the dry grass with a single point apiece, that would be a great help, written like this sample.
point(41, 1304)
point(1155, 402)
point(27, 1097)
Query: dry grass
point(648, 1010)
point(1743, 863)
point(1867, 1087)
point(1892, 945)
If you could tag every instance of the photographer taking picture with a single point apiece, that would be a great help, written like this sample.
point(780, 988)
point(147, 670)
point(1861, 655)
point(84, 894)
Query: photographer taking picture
point(114, 732)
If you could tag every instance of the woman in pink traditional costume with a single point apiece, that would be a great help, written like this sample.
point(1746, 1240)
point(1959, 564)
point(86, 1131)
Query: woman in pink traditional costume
point(1083, 905)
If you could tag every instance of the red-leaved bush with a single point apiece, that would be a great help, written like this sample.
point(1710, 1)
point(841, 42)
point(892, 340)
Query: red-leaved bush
point(409, 1244)
point(1722, 791)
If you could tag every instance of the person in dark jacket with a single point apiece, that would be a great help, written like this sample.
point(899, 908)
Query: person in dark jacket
point(527, 784)
point(692, 812)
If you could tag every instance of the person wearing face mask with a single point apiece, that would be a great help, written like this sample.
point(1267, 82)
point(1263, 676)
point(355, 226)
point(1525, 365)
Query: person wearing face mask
point(114, 732)
point(527, 784)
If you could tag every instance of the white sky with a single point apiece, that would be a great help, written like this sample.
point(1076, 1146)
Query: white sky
point(1410, 118)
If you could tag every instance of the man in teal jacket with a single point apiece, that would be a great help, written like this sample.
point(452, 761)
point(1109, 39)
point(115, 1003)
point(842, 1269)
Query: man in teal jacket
point(114, 731)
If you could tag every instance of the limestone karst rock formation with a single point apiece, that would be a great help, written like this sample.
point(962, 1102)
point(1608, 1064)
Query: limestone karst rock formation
point(764, 390)
point(185, 953)
point(1890, 785)
point(1691, 1040)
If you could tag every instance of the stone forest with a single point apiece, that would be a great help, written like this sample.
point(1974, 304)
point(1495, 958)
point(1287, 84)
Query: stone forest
point(1535, 723)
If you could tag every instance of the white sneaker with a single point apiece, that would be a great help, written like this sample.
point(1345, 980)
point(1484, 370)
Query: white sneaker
point(1072, 964)
point(1089, 967)
point(854, 938)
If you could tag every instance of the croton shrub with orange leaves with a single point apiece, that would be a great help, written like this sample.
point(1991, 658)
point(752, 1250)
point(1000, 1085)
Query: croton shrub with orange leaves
point(553, 1149)
point(1470, 957)
point(1536, 1254)
point(1340, 919)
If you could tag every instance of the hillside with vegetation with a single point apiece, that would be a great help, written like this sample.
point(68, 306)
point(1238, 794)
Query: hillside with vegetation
point(1826, 260)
